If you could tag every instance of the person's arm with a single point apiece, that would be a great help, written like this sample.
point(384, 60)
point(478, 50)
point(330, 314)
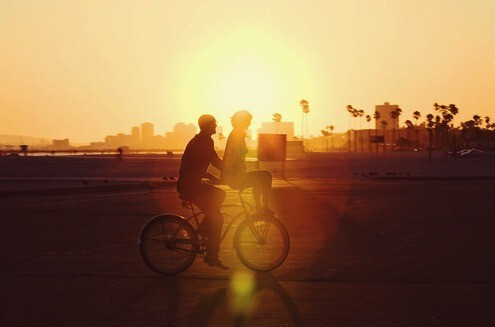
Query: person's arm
point(214, 179)
point(214, 158)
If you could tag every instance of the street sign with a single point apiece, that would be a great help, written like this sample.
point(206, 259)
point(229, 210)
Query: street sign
point(272, 147)
point(377, 139)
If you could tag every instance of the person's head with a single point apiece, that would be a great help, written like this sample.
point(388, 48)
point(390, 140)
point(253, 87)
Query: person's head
point(207, 124)
point(241, 120)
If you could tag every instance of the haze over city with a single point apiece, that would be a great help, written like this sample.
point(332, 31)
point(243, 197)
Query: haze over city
point(85, 70)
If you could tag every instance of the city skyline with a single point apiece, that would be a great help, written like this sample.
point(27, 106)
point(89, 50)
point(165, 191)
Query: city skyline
point(94, 68)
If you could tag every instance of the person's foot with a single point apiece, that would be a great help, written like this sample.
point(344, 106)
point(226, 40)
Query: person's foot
point(215, 263)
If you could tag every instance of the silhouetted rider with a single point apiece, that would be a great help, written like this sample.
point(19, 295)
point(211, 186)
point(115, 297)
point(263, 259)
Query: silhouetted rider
point(198, 155)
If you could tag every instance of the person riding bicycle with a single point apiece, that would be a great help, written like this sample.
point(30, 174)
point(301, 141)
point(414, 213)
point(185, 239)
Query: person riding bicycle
point(234, 164)
point(198, 155)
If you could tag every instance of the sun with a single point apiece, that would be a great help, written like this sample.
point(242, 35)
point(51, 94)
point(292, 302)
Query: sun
point(248, 69)
point(245, 82)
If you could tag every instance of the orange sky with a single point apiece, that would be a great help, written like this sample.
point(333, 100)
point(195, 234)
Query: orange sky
point(84, 69)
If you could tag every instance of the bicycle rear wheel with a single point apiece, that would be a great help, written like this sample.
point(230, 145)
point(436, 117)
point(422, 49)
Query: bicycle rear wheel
point(168, 244)
point(261, 243)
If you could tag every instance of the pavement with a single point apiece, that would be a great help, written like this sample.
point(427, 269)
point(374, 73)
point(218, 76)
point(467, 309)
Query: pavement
point(77, 174)
point(363, 252)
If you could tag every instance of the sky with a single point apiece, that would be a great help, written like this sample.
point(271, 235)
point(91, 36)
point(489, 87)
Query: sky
point(86, 69)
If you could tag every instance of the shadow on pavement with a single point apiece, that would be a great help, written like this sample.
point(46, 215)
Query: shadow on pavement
point(165, 290)
point(203, 312)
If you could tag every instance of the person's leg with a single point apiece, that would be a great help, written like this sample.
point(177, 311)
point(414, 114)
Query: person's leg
point(261, 182)
point(210, 200)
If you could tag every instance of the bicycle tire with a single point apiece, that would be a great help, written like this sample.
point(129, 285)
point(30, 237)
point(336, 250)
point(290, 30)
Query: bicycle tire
point(249, 245)
point(155, 244)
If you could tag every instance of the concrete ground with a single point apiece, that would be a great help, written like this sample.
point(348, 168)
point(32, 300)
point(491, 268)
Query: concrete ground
point(363, 253)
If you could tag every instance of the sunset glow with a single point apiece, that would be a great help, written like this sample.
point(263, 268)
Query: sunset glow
point(84, 70)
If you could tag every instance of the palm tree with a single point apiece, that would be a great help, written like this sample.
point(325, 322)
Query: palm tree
point(352, 112)
point(416, 115)
point(330, 129)
point(377, 117)
point(409, 126)
point(444, 125)
point(477, 120)
point(430, 124)
point(368, 119)
point(355, 113)
point(277, 118)
point(360, 113)
point(305, 110)
point(384, 125)
point(395, 116)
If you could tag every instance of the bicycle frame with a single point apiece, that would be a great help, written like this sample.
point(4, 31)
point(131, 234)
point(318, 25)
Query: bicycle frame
point(246, 210)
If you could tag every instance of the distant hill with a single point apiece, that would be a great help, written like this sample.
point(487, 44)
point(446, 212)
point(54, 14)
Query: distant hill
point(16, 140)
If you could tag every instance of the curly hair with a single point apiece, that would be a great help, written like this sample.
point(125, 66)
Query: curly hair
point(241, 118)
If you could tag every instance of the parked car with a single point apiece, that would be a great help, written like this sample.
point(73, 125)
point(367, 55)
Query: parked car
point(472, 153)
point(459, 153)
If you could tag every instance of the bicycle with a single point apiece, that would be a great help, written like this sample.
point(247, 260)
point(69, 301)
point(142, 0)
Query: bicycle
point(169, 243)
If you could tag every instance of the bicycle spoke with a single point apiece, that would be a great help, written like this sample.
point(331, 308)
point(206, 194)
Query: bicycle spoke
point(169, 245)
point(164, 232)
point(262, 244)
point(265, 231)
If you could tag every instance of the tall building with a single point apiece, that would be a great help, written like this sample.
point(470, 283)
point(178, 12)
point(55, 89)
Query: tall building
point(135, 132)
point(147, 134)
point(135, 136)
point(385, 111)
point(181, 134)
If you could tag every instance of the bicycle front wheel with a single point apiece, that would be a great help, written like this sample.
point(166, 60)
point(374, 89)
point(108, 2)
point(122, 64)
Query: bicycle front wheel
point(168, 244)
point(261, 243)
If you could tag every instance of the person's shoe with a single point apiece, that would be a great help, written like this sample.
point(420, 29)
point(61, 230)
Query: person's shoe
point(215, 263)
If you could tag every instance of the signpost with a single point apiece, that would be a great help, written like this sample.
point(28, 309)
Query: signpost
point(377, 139)
point(272, 147)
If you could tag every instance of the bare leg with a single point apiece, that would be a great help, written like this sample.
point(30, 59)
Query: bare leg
point(209, 200)
point(261, 182)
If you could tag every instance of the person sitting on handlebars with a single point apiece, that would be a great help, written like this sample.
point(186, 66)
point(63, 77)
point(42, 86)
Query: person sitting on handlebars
point(198, 155)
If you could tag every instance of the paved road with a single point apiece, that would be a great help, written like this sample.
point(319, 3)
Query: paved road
point(374, 253)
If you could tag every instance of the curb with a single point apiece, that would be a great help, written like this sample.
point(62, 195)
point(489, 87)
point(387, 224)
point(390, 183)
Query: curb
point(89, 189)
point(433, 178)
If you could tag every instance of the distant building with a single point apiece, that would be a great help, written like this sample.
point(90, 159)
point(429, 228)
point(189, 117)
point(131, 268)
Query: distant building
point(118, 140)
point(178, 138)
point(135, 136)
point(147, 134)
point(61, 144)
point(385, 111)
point(98, 145)
point(286, 128)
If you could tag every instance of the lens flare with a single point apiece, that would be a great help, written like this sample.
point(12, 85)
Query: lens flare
point(243, 286)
